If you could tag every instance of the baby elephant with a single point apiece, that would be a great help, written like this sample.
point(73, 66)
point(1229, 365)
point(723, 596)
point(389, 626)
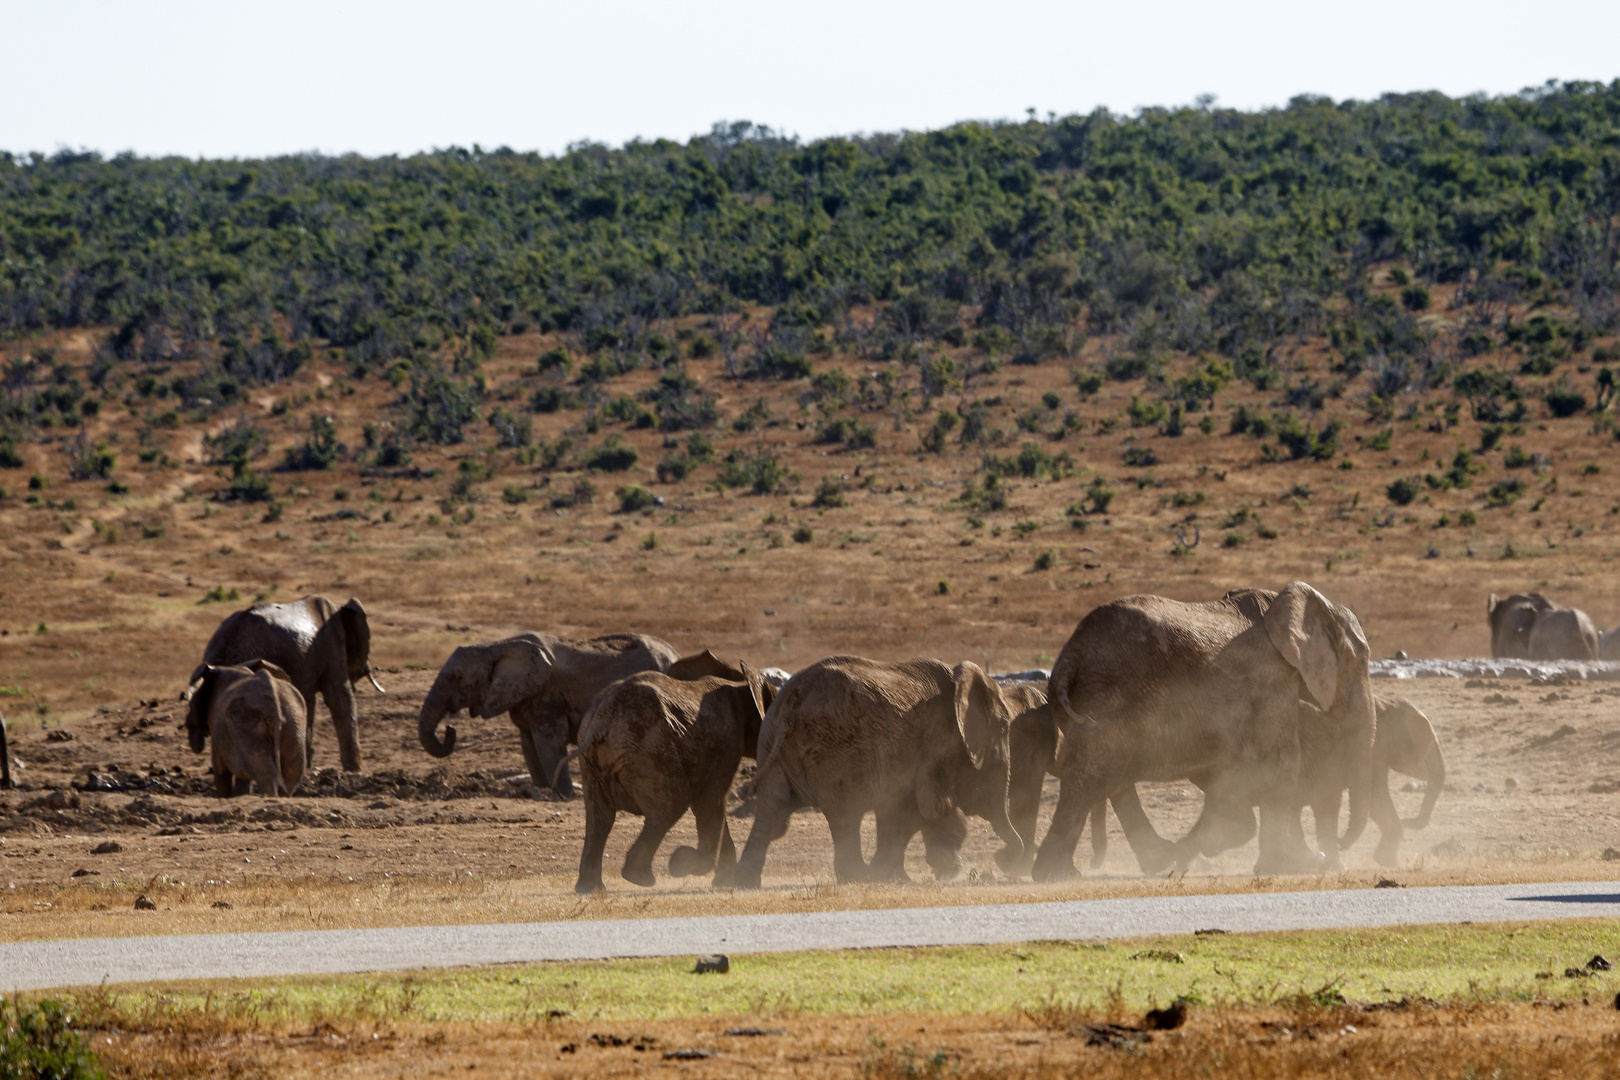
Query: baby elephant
point(255, 716)
point(658, 744)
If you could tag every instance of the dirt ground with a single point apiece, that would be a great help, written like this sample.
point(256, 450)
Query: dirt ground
point(416, 839)
point(1386, 1039)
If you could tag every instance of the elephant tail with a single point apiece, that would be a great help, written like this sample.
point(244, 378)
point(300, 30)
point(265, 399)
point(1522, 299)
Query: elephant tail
point(1057, 686)
point(562, 766)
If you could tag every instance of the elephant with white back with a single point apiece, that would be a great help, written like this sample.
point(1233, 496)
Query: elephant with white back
point(1528, 626)
point(1405, 743)
point(545, 683)
point(658, 744)
point(255, 718)
point(916, 742)
point(323, 648)
point(1150, 688)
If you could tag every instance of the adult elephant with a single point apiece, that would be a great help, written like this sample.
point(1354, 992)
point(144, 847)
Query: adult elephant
point(1529, 626)
point(1609, 645)
point(1032, 745)
point(916, 742)
point(546, 683)
point(1149, 688)
point(322, 647)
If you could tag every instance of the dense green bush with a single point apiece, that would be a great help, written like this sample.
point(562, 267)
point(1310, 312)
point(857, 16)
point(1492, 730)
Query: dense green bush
point(39, 1042)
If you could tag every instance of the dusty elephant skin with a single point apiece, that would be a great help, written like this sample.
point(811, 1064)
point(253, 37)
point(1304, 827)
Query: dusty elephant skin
point(1149, 688)
point(1032, 743)
point(323, 649)
point(1529, 626)
point(5, 756)
point(546, 683)
point(254, 716)
point(1405, 742)
point(916, 742)
point(657, 745)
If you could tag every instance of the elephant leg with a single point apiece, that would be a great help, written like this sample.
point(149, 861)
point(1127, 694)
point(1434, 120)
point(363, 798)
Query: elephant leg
point(223, 786)
point(710, 812)
point(340, 703)
point(241, 785)
point(1154, 854)
point(896, 825)
point(773, 804)
point(1226, 822)
point(1098, 819)
point(848, 863)
point(1023, 809)
point(545, 746)
point(1282, 841)
point(943, 838)
point(599, 816)
point(1384, 815)
point(1326, 812)
point(1055, 859)
point(725, 863)
point(638, 861)
point(309, 730)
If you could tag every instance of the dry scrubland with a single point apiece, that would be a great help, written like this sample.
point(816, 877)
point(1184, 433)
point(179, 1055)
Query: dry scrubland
point(109, 596)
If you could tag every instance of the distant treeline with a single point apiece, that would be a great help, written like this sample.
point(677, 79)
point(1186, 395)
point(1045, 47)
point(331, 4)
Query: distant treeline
point(1196, 229)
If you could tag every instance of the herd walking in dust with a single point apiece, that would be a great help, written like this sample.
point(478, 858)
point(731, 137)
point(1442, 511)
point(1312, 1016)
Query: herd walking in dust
point(1263, 699)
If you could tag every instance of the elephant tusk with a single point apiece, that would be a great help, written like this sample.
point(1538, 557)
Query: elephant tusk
point(373, 679)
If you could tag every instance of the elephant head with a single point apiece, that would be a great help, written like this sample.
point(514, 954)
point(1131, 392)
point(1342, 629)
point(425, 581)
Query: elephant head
point(982, 717)
point(1511, 619)
point(486, 680)
point(357, 639)
point(199, 696)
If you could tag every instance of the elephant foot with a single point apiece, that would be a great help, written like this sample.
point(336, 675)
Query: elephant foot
point(589, 886)
point(1303, 863)
point(1053, 870)
point(745, 877)
point(638, 875)
point(1387, 856)
point(1155, 862)
point(1013, 863)
point(686, 862)
point(724, 878)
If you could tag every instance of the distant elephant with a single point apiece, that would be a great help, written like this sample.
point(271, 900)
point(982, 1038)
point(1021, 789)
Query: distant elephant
point(1405, 742)
point(1149, 688)
point(1531, 627)
point(322, 648)
point(255, 717)
point(547, 684)
point(916, 742)
point(1032, 744)
point(1609, 645)
point(5, 757)
point(657, 745)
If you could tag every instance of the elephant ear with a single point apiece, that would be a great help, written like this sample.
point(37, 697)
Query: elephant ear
point(704, 665)
point(979, 704)
point(519, 671)
point(356, 637)
point(763, 693)
point(271, 670)
point(1301, 628)
point(1492, 602)
point(201, 693)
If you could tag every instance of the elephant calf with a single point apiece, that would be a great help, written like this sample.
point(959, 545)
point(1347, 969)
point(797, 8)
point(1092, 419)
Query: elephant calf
point(1032, 743)
point(255, 717)
point(915, 742)
point(659, 744)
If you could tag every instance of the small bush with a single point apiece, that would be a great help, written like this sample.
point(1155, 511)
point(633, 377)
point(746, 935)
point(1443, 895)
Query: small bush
point(514, 495)
point(634, 498)
point(760, 473)
point(803, 534)
point(1505, 492)
point(1564, 401)
point(1046, 560)
point(1404, 490)
point(39, 1041)
point(1140, 456)
point(829, 493)
point(319, 448)
point(612, 456)
point(1099, 496)
point(1467, 517)
point(1086, 380)
point(934, 439)
point(1415, 298)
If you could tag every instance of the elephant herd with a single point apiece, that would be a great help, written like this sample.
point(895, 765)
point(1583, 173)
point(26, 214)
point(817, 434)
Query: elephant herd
point(1262, 699)
point(1528, 626)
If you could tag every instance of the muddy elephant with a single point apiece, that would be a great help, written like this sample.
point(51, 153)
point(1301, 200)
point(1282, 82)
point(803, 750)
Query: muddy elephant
point(5, 757)
point(323, 649)
point(1529, 626)
point(255, 718)
point(546, 683)
point(1032, 745)
point(1149, 688)
point(657, 745)
point(916, 742)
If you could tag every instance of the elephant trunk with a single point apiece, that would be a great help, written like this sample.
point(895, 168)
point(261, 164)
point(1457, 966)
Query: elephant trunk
point(434, 709)
point(998, 780)
point(1436, 779)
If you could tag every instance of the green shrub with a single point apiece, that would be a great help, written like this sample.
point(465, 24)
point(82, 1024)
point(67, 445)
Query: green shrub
point(1086, 380)
point(634, 498)
point(934, 439)
point(761, 473)
point(829, 493)
point(1144, 413)
point(1415, 298)
point(1046, 560)
point(1099, 496)
point(39, 1042)
point(803, 534)
point(319, 448)
point(1140, 456)
point(9, 457)
point(1383, 440)
point(1404, 490)
point(612, 456)
point(1505, 492)
point(1564, 400)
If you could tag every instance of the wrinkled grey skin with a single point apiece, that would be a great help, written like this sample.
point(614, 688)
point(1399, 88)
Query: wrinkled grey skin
point(1032, 744)
point(657, 745)
point(1528, 626)
point(255, 718)
point(1149, 688)
point(1609, 645)
point(915, 742)
point(323, 649)
point(547, 684)
point(5, 757)
point(1405, 742)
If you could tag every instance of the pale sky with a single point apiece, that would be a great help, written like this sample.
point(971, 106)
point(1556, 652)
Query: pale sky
point(241, 79)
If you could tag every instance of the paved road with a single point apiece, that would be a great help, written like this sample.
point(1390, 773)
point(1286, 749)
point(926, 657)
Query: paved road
point(41, 964)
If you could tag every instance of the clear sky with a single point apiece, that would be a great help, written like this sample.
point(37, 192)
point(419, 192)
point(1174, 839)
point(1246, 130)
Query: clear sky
point(232, 78)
